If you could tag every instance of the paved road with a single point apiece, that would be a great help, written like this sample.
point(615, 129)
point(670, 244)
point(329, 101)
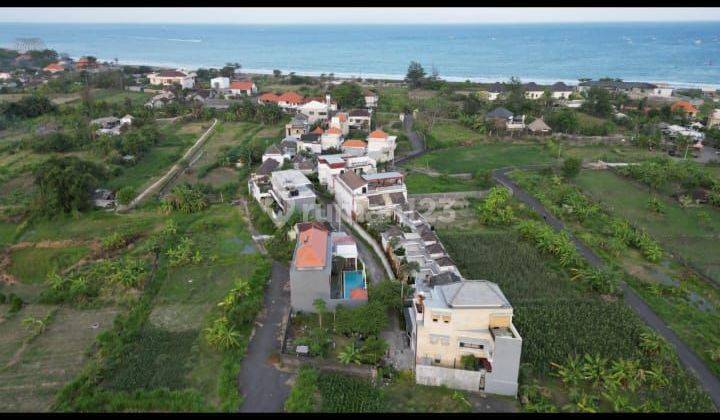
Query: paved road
point(418, 144)
point(687, 356)
point(264, 387)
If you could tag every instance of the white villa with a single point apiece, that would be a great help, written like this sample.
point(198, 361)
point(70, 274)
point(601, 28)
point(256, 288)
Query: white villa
point(170, 77)
point(381, 146)
point(361, 195)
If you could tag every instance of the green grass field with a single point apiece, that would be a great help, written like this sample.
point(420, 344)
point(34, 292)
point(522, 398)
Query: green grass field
point(484, 156)
point(32, 265)
point(419, 183)
point(679, 230)
point(451, 134)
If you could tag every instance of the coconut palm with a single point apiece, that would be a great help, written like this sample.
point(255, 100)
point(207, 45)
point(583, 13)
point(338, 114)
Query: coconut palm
point(350, 354)
point(582, 403)
point(319, 305)
point(620, 402)
point(222, 335)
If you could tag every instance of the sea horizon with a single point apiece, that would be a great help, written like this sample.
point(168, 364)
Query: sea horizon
point(681, 54)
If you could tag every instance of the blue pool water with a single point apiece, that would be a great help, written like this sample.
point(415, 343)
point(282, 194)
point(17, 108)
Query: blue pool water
point(352, 280)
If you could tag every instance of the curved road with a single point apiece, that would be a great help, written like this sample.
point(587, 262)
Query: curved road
point(687, 356)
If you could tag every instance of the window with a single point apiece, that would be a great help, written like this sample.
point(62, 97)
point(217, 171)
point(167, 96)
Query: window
point(446, 319)
point(472, 345)
point(438, 359)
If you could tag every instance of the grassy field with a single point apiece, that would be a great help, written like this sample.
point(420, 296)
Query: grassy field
point(679, 230)
point(483, 156)
point(177, 139)
point(450, 133)
point(420, 183)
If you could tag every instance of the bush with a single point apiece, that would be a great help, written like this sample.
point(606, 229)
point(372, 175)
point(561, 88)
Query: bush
point(365, 320)
point(571, 167)
point(15, 303)
point(3, 298)
point(115, 240)
point(125, 195)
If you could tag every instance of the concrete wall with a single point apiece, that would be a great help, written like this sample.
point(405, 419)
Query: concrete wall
point(467, 380)
point(370, 240)
point(503, 379)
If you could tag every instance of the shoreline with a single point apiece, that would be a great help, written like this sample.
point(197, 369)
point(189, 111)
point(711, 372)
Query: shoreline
point(399, 77)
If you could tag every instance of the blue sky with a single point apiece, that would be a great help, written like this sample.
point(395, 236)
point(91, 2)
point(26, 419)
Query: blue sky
point(355, 15)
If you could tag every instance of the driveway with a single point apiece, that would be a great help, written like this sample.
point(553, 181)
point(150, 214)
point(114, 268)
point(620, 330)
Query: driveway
point(686, 355)
point(263, 387)
point(417, 143)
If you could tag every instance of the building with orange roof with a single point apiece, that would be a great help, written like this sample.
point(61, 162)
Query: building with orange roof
point(381, 146)
point(686, 107)
point(355, 147)
point(326, 266)
point(86, 63)
point(317, 109)
point(290, 101)
point(243, 87)
point(268, 98)
point(318, 130)
point(54, 68)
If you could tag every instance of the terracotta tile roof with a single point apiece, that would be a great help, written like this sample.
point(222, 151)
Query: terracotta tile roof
point(318, 130)
point(54, 67)
point(352, 180)
point(354, 143)
point(685, 106)
point(312, 248)
point(334, 130)
point(378, 134)
point(291, 98)
point(269, 97)
point(241, 84)
point(341, 116)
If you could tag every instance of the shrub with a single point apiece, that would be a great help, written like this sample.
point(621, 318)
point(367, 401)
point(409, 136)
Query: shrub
point(3, 298)
point(571, 167)
point(125, 195)
point(15, 303)
point(303, 398)
point(115, 240)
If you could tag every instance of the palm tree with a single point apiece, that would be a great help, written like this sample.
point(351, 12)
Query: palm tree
point(622, 372)
point(319, 305)
point(222, 335)
point(350, 354)
point(652, 343)
point(594, 369)
point(571, 372)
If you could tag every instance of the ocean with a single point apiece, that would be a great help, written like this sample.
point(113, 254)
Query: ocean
point(682, 54)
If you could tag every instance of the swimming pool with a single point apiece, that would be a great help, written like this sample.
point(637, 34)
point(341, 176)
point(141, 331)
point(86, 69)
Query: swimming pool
point(352, 280)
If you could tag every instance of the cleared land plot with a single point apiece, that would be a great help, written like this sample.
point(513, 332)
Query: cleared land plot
point(485, 156)
point(420, 183)
point(679, 229)
point(52, 359)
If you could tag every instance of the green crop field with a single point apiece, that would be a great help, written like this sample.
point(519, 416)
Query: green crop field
point(679, 230)
point(557, 319)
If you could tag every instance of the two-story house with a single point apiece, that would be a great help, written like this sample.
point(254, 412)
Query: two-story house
point(463, 336)
point(363, 196)
point(381, 146)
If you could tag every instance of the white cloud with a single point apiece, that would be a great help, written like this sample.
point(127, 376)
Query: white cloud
point(393, 15)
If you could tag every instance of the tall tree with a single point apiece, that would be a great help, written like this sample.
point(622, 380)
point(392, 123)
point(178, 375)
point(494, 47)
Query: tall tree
point(415, 74)
point(66, 183)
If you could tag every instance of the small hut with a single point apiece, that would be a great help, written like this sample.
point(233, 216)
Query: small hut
point(539, 127)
